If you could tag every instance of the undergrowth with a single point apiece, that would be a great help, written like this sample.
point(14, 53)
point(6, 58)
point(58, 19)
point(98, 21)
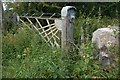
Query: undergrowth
point(26, 55)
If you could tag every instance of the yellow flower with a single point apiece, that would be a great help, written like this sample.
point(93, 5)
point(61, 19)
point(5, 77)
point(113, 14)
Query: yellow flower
point(26, 51)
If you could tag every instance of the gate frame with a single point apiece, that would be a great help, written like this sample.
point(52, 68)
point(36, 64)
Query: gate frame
point(67, 18)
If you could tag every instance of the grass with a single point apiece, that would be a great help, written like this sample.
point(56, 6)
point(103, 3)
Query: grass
point(26, 55)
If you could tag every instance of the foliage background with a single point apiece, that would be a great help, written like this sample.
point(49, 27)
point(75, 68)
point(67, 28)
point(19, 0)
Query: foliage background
point(25, 54)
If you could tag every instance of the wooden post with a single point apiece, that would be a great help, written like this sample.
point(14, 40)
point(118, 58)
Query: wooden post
point(64, 34)
point(68, 16)
point(1, 26)
point(15, 18)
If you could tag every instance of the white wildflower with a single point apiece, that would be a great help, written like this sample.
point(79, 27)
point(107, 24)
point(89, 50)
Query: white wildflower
point(109, 43)
point(24, 54)
point(18, 56)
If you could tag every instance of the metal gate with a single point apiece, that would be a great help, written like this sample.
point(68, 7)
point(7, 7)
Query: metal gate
point(49, 32)
point(58, 29)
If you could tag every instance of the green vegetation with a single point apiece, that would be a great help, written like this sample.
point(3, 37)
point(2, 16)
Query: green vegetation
point(26, 55)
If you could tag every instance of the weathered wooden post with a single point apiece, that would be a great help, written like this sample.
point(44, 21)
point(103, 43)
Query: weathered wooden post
point(15, 19)
point(68, 16)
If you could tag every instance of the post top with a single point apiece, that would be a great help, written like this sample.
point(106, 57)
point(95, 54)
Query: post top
point(65, 9)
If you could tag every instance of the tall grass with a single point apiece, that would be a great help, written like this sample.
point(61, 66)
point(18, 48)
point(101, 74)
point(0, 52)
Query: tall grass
point(26, 55)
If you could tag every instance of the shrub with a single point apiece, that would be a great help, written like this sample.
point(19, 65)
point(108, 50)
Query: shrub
point(25, 55)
